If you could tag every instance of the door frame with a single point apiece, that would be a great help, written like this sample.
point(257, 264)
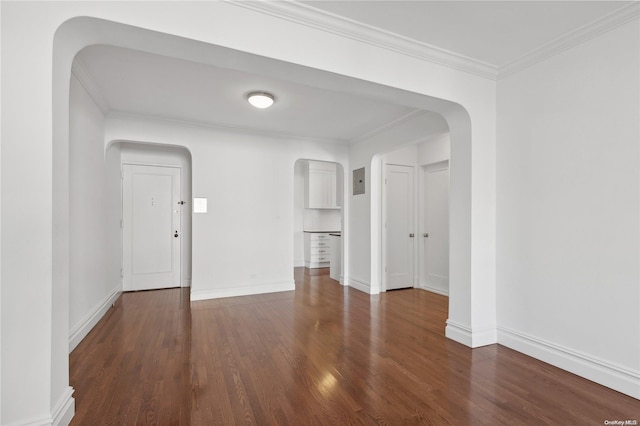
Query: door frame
point(122, 242)
point(383, 217)
point(438, 165)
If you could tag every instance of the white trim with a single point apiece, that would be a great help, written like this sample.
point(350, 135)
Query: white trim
point(65, 409)
point(361, 285)
point(458, 333)
point(80, 71)
point(571, 39)
point(242, 290)
point(600, 371)
point(186, 283)
point(84, 326)
point(474, 338)
point(61, 415)
point(335, 24)
point(433, 290)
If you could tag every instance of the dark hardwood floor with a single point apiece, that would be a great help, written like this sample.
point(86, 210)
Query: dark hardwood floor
point(322, 355)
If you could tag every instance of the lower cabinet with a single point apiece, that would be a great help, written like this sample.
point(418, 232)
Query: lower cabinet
point(317, 250)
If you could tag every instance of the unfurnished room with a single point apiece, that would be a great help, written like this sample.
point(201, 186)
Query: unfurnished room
point(320, 212)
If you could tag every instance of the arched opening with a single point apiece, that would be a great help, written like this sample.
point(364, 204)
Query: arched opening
point(362, 246)
point(318, 218)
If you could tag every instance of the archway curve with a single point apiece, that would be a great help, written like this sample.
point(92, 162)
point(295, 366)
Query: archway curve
point(160, 153)
point(344, 211)
point(80, 32)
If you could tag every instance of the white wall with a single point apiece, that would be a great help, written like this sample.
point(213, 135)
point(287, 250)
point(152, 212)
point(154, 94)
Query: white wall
point(568, 209)
point(163, 155)
point(434, 150)
point(327, 220)
point(405, 156)
point(94, 214)
point(244, 244)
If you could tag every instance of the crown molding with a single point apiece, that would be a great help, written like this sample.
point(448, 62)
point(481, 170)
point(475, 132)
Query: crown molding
point(80, 71)
point(315, 18)
point(580, 35)
point(325, 21)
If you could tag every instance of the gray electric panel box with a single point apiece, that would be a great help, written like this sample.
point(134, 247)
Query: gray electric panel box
point(358, 181)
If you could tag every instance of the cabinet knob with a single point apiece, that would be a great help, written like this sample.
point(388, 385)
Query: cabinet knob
point(412, 235)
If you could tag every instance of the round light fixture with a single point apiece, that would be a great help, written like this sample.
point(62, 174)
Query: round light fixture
point(261, 99)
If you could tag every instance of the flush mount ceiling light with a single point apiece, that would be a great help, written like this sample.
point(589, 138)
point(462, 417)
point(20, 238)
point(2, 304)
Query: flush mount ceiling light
point(261, 99)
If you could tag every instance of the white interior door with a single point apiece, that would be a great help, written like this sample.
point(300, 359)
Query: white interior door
point(151, 230)
point(399, 227)
point(435, 228)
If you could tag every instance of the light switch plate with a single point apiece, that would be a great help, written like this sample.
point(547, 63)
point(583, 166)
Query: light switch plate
point(199, 205)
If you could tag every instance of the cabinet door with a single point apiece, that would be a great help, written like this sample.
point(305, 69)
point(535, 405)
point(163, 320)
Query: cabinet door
point(320, 189)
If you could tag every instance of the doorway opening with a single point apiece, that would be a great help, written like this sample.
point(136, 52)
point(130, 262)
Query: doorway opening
point(414, 205)
point(319, 216)
point(156, 215)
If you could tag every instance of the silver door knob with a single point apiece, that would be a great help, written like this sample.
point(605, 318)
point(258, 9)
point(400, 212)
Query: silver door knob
point(412, 235)
point(425, 235)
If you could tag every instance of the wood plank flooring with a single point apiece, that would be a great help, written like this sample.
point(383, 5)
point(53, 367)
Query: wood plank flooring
point(322, 355)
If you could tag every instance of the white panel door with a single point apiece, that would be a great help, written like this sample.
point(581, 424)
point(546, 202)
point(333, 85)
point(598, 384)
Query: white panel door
point(435, 229)
point(151, 230)
point(399, 227)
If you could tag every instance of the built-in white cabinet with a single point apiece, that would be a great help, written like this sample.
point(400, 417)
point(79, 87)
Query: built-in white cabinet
point(320, 186)
point(317, 249)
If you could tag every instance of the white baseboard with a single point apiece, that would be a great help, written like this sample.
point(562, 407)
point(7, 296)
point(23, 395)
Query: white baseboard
point(65, 409)
point(473, 338)
point(80, 330)
point(60, 416)
point(361, 285)
point(242, 290)
point(434, 290)
point(186, 283)
point(616, 377)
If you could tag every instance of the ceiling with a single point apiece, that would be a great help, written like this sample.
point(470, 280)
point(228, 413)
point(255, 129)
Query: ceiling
point(140, 83)
point(496, 33)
